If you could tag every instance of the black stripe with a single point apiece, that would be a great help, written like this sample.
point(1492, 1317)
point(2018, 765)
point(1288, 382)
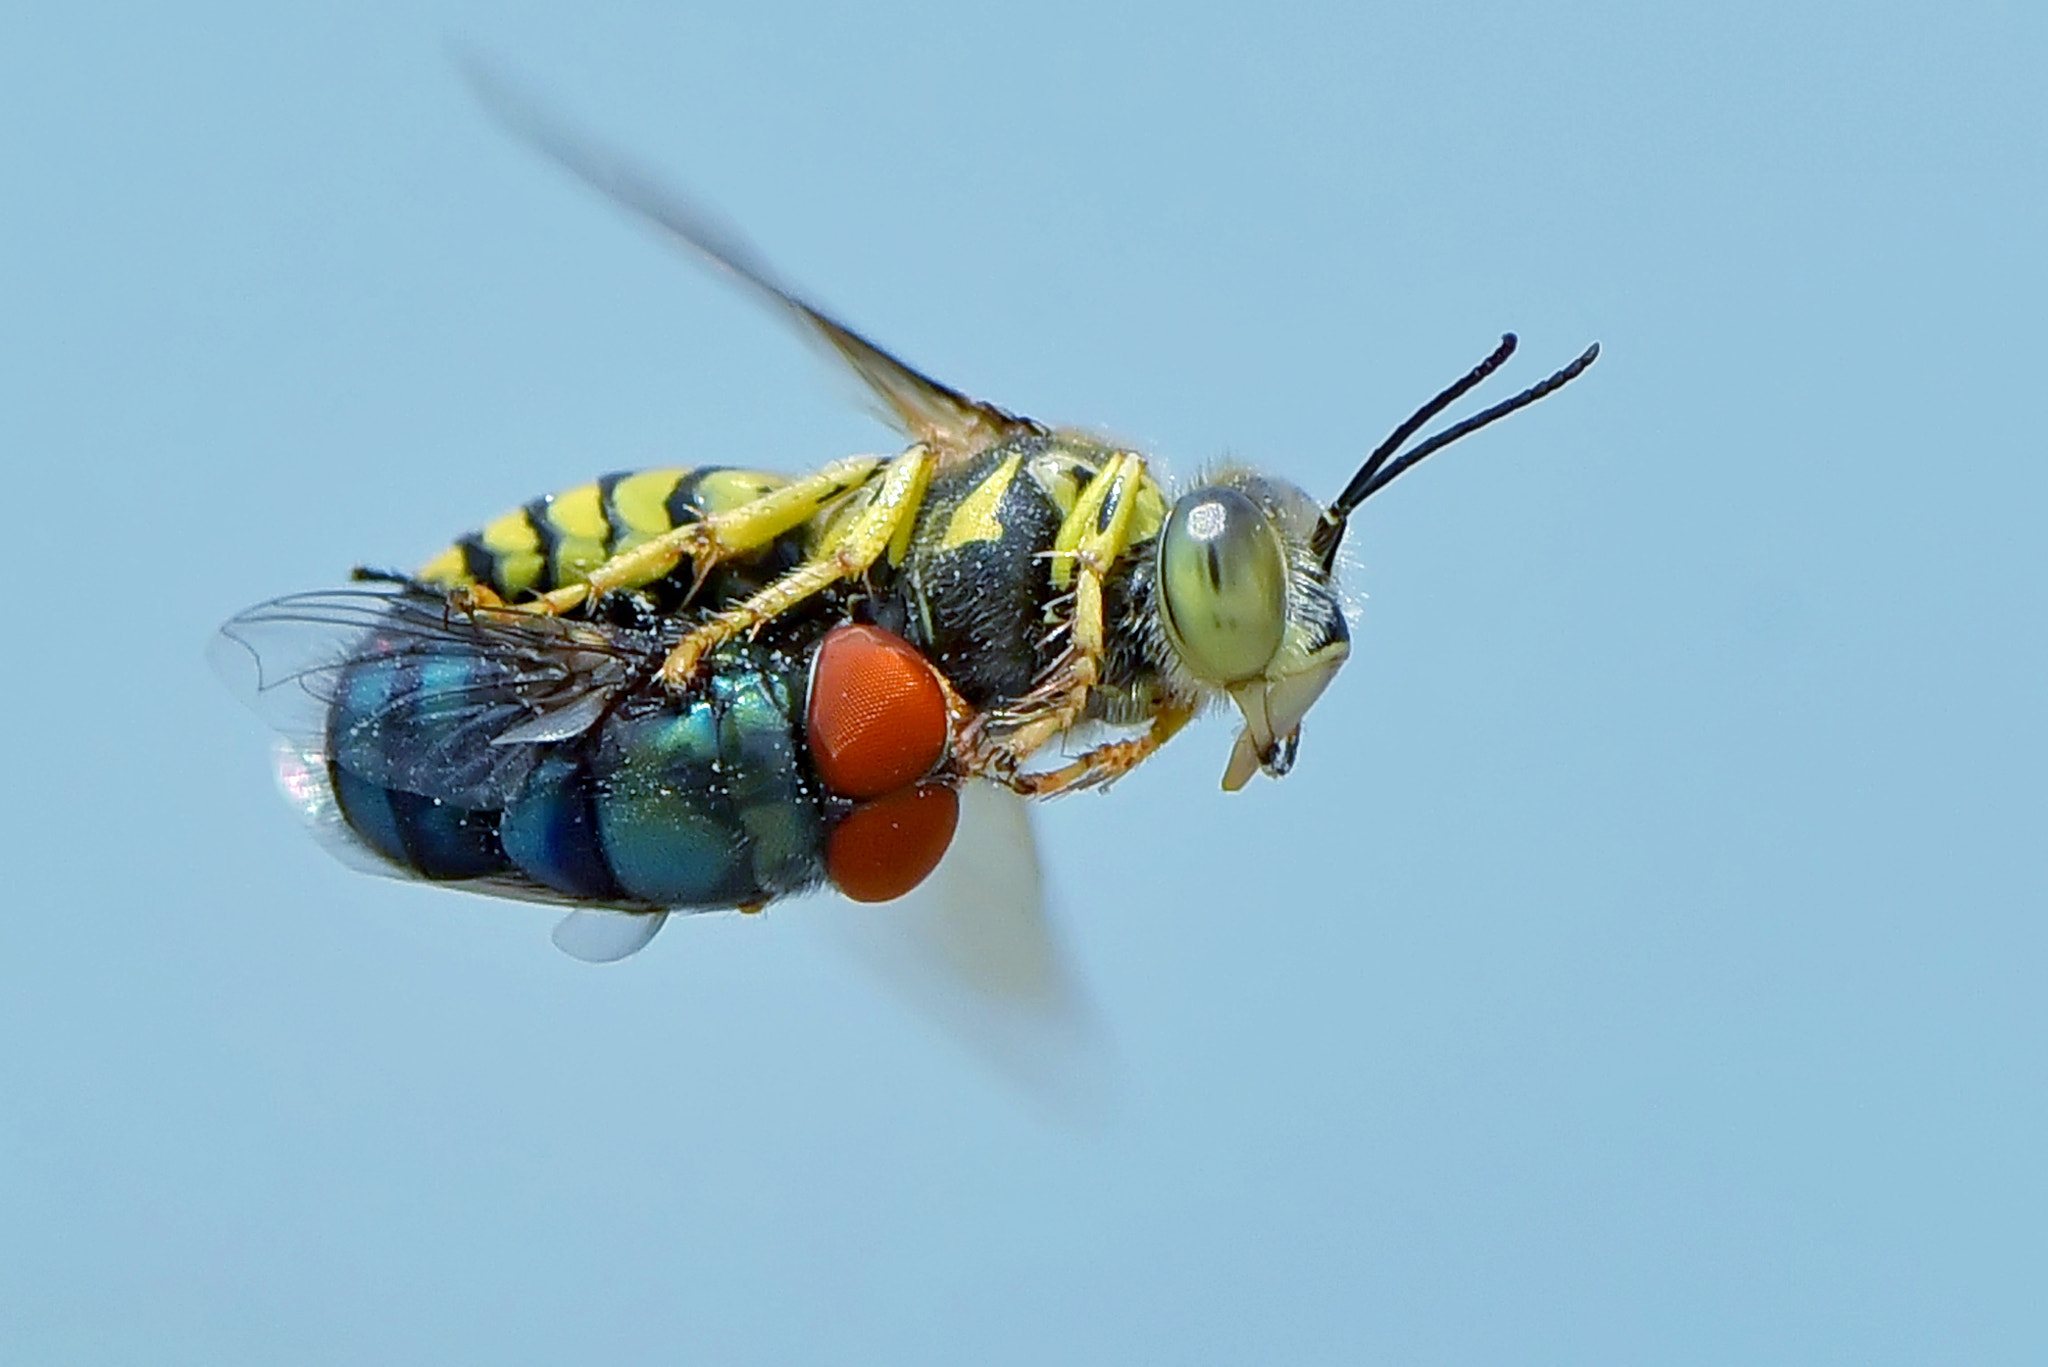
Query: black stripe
point(537, 516)
point(683, 507)
point(478, 563)
point(612, 520)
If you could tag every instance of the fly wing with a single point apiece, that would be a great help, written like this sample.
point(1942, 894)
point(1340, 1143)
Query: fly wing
point(952, 424)
point(413, 694)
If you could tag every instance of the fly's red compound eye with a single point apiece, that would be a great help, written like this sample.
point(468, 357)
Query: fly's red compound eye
point(882, 849)
point(877, 715)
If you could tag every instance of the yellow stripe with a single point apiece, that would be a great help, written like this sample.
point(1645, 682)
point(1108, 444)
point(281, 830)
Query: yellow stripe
point(515, 546)
point(576, 557)
point(974, 517)
point(582, 534)
point(511, 534)
point(641, 501)
point(579, 513)
point(449, 569)
point(720, 491)
point(1061, 474)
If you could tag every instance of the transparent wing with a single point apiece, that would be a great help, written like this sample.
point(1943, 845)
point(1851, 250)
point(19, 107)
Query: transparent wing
point(974, 949)
point(953, 424)
point(302, 778)
point(441, 702)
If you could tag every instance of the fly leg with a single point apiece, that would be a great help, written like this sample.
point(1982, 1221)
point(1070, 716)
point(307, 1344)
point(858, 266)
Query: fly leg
point(1091, 540)
point(709, 541)
point(881, 526)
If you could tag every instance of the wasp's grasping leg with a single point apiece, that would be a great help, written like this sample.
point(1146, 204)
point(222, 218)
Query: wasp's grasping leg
point(1103, 764)
point(882, 526)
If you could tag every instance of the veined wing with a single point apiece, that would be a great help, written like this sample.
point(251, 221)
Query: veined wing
point(952, 424)
point(414, 694)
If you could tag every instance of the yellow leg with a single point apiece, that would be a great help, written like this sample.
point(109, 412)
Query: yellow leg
point(1091, 540)
point(860, 543)
point(707, 542)
point(1104, 764)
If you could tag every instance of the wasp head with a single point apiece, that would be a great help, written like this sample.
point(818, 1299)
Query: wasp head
point(1246, 578)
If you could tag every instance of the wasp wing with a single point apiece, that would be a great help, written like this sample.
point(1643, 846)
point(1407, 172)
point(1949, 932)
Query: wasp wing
point(975, 949)
point(445, 702)
point(951, 423)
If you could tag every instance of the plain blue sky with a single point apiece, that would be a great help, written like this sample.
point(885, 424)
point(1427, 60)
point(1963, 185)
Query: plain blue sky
point(1644, 963)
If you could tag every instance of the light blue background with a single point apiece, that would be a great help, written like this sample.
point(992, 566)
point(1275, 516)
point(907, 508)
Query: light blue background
point(1644, 963)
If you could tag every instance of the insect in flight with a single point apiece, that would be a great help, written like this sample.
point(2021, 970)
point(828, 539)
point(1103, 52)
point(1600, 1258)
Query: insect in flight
point(690, 689)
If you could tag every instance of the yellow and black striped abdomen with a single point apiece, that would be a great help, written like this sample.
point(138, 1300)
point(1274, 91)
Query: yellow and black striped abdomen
point(560, 538)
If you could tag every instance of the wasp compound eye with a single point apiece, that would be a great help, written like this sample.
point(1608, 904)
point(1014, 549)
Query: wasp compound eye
point(1223, 583)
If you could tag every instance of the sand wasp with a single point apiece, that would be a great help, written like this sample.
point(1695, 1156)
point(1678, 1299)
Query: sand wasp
point(688, 689)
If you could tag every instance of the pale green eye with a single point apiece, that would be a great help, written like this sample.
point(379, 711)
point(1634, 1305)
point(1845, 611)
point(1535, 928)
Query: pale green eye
point(1223, 581)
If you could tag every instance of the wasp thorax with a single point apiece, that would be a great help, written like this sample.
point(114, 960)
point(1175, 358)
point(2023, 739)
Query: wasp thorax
point(1223, 584)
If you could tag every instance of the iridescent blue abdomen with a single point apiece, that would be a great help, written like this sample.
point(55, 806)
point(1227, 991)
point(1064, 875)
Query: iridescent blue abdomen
point(701, 802)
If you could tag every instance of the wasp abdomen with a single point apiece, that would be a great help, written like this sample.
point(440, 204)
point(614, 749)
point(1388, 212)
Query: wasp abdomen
point(560, 538)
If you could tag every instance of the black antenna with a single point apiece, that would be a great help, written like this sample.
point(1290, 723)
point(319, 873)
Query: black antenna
point(1377, 473)
point(1354, 492)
